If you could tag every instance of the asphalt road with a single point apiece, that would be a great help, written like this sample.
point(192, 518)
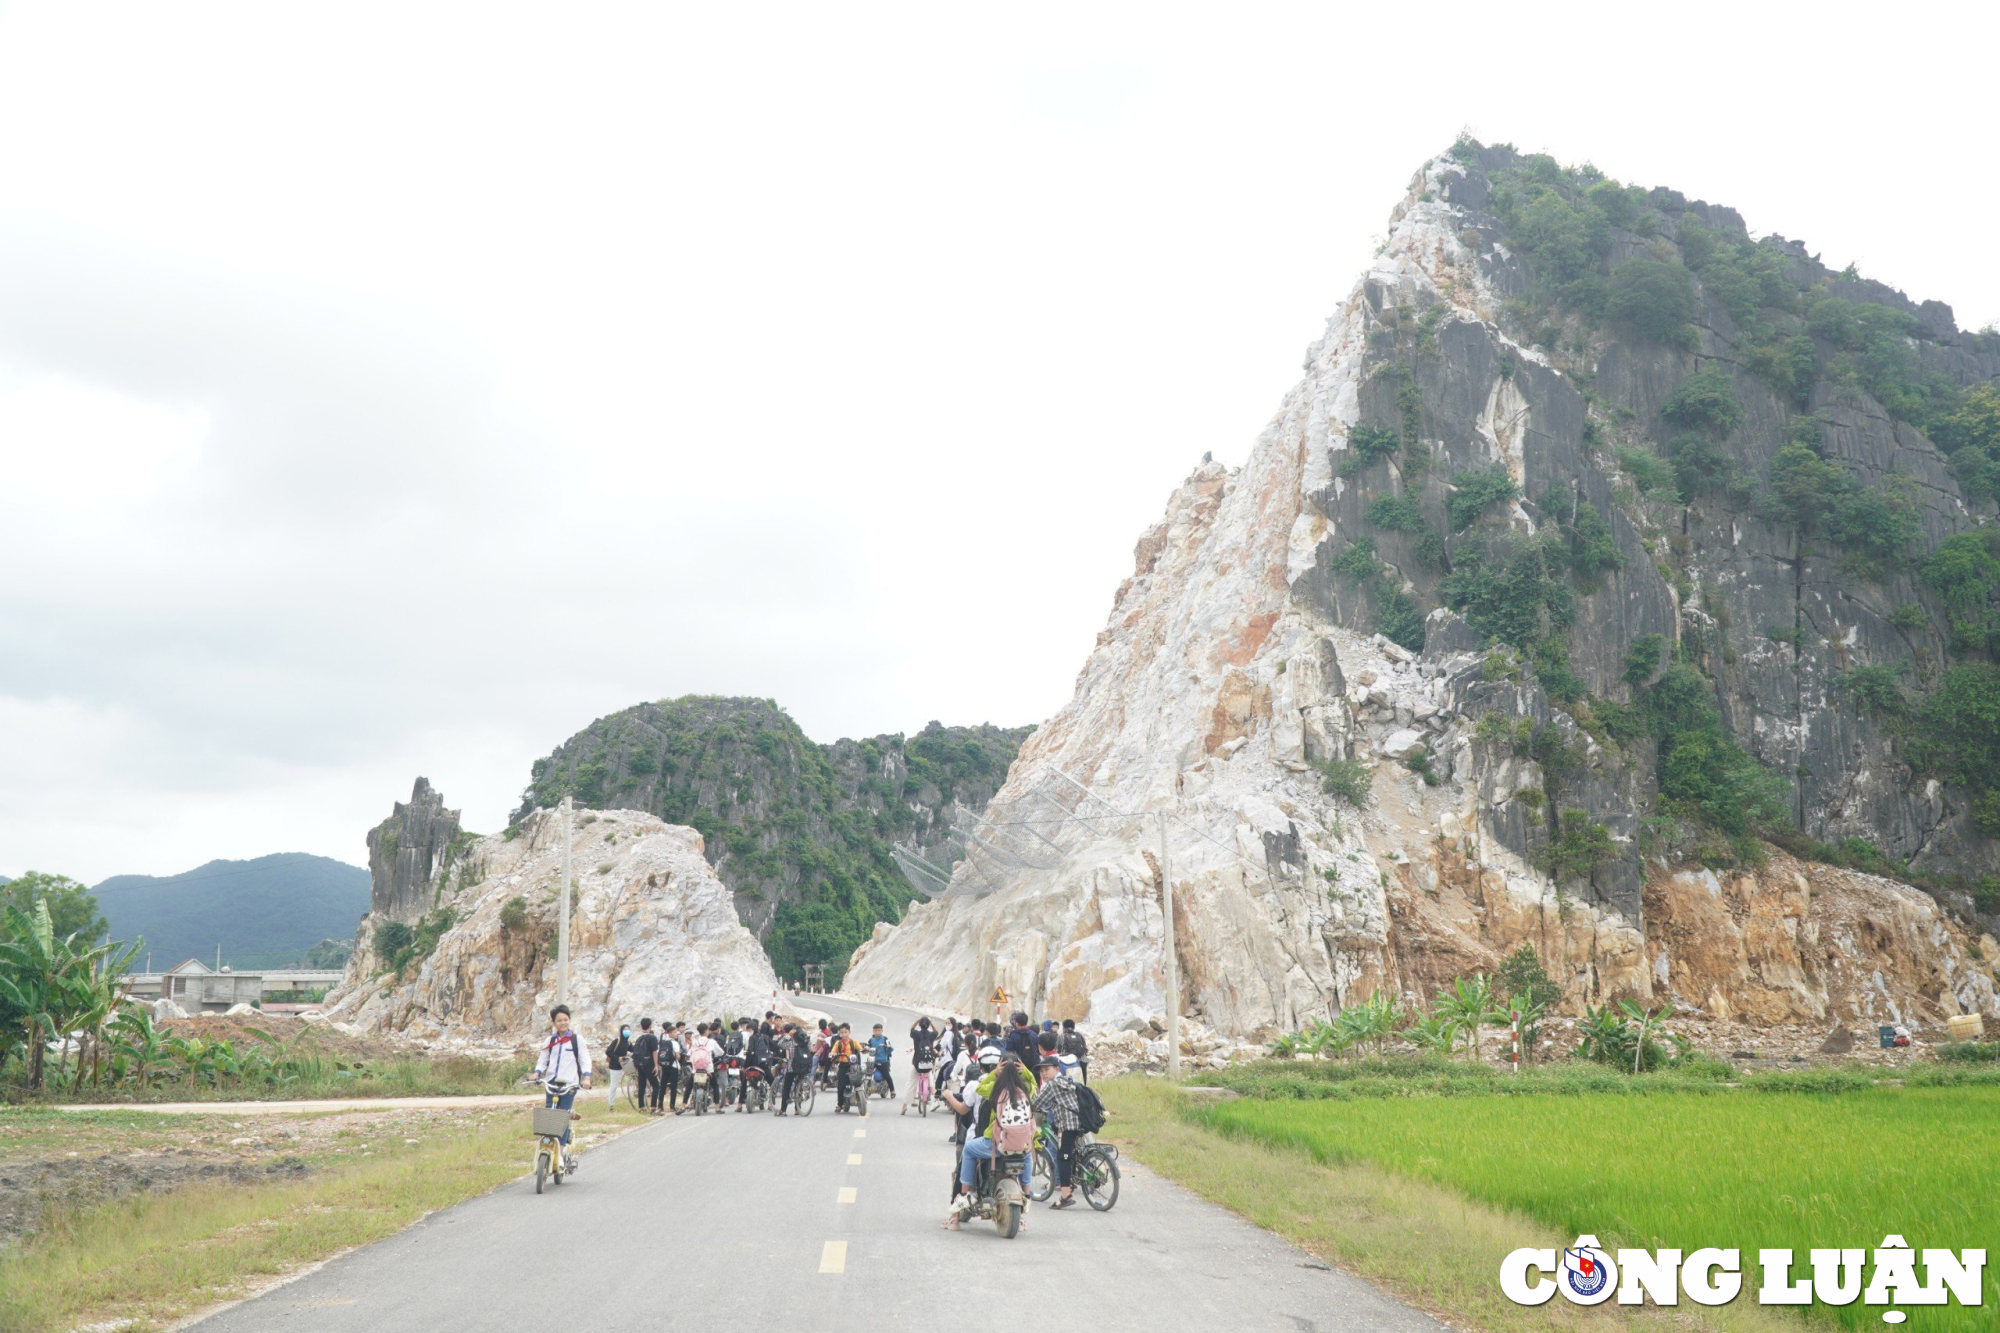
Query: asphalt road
point(827, 1222)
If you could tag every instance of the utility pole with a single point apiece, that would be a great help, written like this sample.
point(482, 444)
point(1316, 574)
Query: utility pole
point(562, 919)
point(1173, 968)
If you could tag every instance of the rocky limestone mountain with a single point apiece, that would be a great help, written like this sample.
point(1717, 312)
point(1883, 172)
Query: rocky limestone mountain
point(1606, 543)
point(652, 932)
point(801, 832)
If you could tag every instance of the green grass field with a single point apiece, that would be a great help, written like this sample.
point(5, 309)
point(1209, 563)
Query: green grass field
point(1688, 1168)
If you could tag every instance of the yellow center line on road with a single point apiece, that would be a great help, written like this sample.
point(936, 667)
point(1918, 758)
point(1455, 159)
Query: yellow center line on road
point(833, 1257)
point(854, 1159)
point(847, 1194)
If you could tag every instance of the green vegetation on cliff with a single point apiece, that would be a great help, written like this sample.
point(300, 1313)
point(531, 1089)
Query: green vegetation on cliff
point(801, 832)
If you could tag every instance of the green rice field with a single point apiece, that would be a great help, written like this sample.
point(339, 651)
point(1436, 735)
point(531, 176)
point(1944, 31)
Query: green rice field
point(1745, 1168)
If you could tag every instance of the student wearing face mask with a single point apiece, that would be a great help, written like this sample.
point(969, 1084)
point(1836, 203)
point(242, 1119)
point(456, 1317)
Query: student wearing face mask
point(617, 1055)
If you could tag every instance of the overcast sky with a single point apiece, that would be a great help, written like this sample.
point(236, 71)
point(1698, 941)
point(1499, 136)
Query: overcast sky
point(395, 390)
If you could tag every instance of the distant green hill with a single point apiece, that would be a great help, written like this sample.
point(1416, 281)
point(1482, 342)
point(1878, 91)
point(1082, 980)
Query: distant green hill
point(800, 832)
point(264, 913)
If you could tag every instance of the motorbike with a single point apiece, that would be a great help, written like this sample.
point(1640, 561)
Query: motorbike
point(997, 1195)
point(756, 1087)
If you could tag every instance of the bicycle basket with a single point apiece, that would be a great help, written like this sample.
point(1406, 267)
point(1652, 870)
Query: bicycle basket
point(551, 1121)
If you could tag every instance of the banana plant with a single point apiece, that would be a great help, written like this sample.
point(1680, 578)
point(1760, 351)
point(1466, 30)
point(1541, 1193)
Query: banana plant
point(1432, 1032)
point(1643, 1023)
point(139, 1048)
point(1470, 1006)
point(1376, 1019)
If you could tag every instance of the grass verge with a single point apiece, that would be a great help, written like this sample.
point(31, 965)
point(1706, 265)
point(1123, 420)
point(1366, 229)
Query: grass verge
point(1743, 1169)
point(155, 1258)
point(1425, 1243)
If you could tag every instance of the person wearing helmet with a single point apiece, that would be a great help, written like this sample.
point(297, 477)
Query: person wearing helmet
point(961, 1092)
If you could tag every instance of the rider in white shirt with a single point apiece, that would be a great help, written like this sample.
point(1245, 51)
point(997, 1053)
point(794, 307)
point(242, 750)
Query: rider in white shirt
point(565, 1059)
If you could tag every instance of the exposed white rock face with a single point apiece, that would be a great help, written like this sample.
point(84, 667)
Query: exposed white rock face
point(653, 933)
point(1215, 691)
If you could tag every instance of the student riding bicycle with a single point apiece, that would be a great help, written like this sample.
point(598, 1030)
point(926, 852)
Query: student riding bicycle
point(564, 1061)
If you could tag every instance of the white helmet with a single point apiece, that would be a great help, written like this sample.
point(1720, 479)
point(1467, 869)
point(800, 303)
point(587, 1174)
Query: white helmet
point(989, 1057)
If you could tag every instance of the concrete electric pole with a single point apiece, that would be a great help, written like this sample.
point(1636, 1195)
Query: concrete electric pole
point(562, 918)
point(1173, 966)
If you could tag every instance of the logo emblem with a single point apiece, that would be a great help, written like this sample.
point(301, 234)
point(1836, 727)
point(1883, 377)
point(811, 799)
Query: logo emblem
point(1588, 1274)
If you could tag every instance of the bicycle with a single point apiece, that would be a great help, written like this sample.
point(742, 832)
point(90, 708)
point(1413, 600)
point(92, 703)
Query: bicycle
point(923, 1093)
point(805, 1091)
point(552, 1157)
point(1093, 1172)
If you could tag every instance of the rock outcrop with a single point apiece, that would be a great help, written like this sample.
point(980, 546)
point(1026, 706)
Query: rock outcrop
point(1440, 478)
point(652, 932)
point(410, 855)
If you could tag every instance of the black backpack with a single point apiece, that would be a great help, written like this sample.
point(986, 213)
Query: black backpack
point(1090, 1112)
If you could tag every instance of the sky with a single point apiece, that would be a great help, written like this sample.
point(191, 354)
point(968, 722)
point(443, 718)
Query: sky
point(392, 390)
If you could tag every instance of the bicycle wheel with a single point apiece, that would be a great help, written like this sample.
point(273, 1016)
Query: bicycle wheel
point(1097, 1177)
point(1045, 1176)
point(632, 1095)
point(541, 1168)
point(806, 1096)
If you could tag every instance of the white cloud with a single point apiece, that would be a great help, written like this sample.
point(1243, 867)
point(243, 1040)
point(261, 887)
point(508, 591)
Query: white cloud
point(388, 389)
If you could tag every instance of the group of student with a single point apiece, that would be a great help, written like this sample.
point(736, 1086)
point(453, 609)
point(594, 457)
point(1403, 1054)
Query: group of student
point(669, 1063)
point(1001, 1081)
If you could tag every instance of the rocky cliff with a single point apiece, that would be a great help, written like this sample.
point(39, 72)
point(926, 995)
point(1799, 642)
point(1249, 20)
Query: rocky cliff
point(652, 931)
point(410, 855)
point(801, 832)
point(1606, 544)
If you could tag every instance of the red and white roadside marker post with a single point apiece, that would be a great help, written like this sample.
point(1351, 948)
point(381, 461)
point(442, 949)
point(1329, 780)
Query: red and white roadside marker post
point(1515, 1052)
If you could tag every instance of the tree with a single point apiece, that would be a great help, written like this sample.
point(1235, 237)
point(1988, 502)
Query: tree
point(1654, 299)
point(55, 986)
point(72, 907)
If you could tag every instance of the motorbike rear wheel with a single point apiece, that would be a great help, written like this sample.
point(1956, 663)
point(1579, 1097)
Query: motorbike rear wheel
point(1007, 1219)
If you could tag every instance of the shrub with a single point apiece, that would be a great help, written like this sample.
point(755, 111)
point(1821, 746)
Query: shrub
point(1965, 571)
point(391, 938)
point(1579, 848)
point(1874, 524)
point(1351, 780)
point(514, 914)
point(1655, 300)
point(1909, 616)
point(1702, 772)
point(1507, 593)
point(1590, 547)
point(1649, 472)
point(1698, 463)
point(1367, 445)
point(1397, 513)
point(1397, 616)
point(1705, 401)
point(1474, 489)
point(1878, 689)
point(1957, 735)
point(1642, 659)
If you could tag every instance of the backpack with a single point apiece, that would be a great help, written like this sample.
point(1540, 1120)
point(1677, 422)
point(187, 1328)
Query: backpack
point(1090, 1112)
point(1073, 1044)
point(699, 1058)
point(1013, 1125)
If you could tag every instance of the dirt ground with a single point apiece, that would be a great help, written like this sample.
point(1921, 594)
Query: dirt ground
point(50, 1160)
point(283, 1027)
